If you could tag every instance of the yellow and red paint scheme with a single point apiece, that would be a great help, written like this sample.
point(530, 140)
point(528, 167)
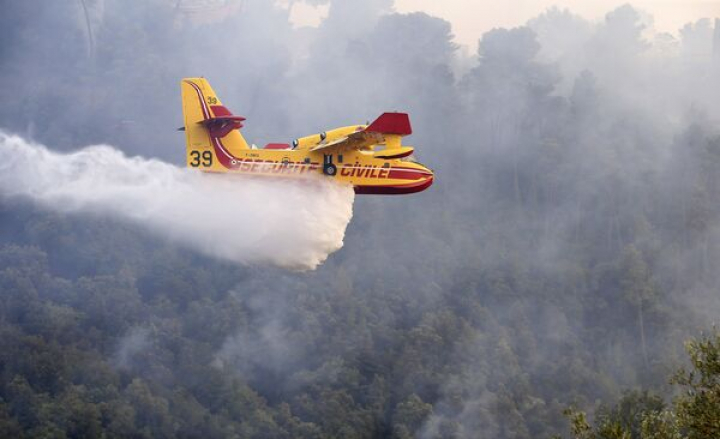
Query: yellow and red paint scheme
point(369, 157)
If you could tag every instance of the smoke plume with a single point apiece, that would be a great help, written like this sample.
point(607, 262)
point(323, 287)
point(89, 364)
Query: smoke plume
point(245, 220)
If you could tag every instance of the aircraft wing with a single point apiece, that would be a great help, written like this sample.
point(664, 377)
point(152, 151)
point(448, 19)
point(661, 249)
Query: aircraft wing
point(397, 124)
point(357, 140)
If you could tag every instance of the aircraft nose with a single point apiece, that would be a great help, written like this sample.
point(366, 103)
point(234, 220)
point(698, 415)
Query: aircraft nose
point(428, 179)
point(430, 173)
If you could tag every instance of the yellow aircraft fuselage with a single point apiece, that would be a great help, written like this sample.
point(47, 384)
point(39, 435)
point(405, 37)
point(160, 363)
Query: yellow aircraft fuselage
point(370, 158)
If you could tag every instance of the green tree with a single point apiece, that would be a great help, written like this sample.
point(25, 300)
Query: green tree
point(698, 409)
point(410, 415)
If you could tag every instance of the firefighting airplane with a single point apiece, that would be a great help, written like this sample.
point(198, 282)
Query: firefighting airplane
point(369, 157)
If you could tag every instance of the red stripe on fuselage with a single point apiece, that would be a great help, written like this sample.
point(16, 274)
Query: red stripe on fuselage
point(406, 175)
point(395, 189)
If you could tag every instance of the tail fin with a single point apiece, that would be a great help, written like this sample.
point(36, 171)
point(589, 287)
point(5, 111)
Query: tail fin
point(211, 130)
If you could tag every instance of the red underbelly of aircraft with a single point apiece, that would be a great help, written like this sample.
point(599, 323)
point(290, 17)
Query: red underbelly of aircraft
point(365, 180)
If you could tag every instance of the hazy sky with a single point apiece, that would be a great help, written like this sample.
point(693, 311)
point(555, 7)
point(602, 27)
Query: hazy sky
point(471, 18)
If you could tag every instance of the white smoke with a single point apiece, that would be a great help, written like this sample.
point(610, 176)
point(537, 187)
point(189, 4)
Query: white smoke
point(289, 223)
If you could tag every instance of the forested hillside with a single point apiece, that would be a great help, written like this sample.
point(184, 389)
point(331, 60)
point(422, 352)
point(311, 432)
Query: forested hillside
point(568, 247)
point(693, 414)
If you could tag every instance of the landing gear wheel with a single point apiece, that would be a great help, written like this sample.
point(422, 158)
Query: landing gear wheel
point(329, 169)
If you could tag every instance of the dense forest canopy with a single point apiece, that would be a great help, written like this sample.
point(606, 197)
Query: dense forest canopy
point(567, 249)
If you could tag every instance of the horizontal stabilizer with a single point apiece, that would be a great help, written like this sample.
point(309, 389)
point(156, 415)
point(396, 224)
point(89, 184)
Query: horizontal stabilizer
point(222, 126)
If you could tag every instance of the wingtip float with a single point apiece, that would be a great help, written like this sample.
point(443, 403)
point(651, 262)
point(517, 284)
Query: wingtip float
point(369, 157)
